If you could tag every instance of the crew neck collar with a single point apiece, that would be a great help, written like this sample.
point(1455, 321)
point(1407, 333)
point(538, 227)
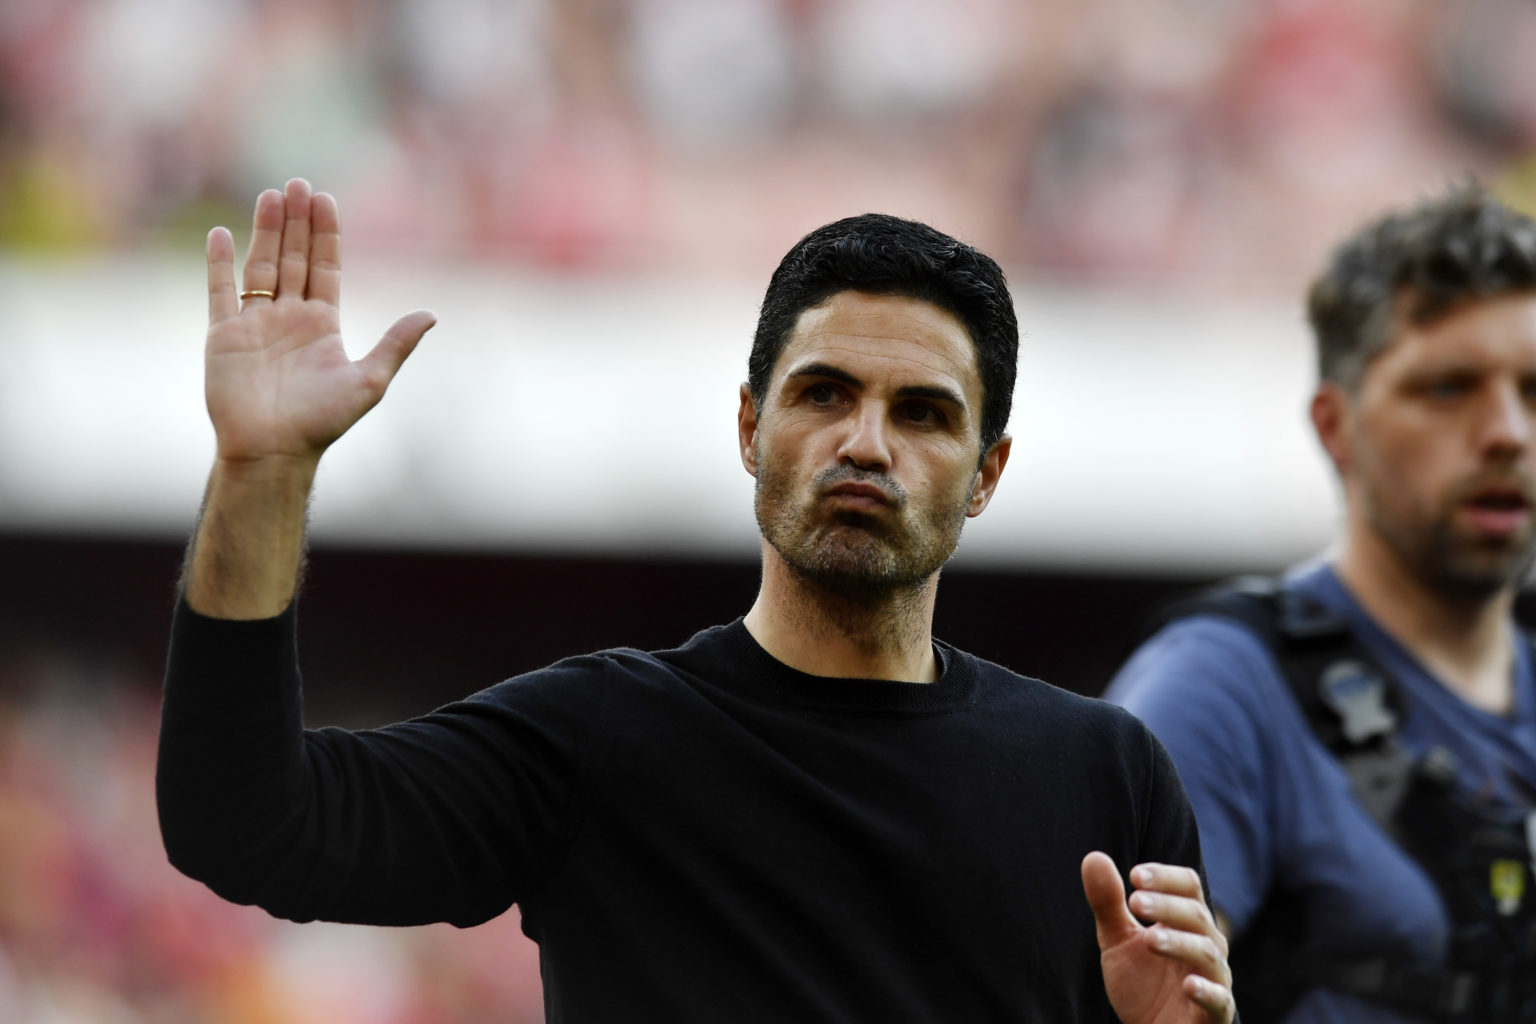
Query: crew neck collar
point(767, 674)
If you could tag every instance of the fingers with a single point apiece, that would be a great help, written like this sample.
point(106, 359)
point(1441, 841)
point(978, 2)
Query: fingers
point(1184, 929)
point(380, 365)
point(1192, 949)
point(1106, 898)
point(1217, 1000)
point(223, 300)
point(1178, 912)
point(1170, 878)
point(293, 265)
point(260, 272)
point(1173, 896)
point(325, 250)
point(279, 257)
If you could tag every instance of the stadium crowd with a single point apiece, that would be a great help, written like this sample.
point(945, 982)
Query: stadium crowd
point(1103, 141)
point(96, 927)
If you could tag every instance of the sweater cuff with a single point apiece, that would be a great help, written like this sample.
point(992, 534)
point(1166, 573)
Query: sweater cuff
point(223, 672)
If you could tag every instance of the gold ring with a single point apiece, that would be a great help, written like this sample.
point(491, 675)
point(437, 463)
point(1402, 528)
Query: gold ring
point(257, 293)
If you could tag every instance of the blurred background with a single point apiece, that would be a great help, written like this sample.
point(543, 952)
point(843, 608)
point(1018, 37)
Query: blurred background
point(591, 195)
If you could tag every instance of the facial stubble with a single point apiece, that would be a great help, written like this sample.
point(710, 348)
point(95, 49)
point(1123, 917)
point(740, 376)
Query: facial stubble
point(849, 552)
point(1435, 552)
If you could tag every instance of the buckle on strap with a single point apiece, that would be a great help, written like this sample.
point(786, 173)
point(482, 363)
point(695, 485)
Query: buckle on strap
point(1358, 696)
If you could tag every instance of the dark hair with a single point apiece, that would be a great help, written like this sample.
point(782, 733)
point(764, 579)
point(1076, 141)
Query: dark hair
point(886, 255)
point(1423, 262)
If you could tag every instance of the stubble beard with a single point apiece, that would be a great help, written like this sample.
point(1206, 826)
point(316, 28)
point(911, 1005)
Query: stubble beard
point(854, 555)
point(1449, 563)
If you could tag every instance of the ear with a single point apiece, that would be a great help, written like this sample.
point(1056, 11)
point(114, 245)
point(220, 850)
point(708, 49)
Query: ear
point(746, 430)
point(1330, 412)
point(987, 476)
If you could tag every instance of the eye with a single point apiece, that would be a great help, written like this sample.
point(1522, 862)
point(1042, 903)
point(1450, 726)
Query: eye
point(1445, 388)
point(922, 414)
point(821, 394)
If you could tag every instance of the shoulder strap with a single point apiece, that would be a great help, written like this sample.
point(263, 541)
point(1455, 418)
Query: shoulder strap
point(1355, 709)
point(1347, 698)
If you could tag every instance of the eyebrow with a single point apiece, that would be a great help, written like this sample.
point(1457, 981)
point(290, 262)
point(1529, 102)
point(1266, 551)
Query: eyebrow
point(1458, 368)
point(826, 370)
point(934, 392)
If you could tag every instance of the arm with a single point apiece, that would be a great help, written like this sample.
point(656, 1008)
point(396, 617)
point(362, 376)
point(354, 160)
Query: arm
point(280, 389)
point(248, 801)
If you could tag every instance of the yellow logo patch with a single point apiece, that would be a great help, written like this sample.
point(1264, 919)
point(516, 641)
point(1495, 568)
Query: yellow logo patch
point(1507, 884)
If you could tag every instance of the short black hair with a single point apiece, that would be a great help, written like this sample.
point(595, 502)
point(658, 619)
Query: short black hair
point(885, 255)
point(1423, 263)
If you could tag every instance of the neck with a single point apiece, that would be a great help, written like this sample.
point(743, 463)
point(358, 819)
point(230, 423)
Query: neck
point(835, 631)
point(1465, 641)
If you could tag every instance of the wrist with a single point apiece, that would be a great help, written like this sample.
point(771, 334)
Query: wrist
point(247, 553)
point(279, 472)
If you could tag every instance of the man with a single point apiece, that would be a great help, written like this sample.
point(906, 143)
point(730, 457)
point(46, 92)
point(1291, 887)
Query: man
point(1359, 741)
point(815, 813)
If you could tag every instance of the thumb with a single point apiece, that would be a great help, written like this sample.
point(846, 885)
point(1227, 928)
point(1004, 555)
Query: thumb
point(1106, 898)
point(381, 364)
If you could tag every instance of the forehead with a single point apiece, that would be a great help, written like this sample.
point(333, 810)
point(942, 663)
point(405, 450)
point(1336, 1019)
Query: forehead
point(1489, 332)
point(882, 335)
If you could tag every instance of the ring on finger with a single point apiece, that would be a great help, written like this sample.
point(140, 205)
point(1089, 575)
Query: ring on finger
point(257, 293)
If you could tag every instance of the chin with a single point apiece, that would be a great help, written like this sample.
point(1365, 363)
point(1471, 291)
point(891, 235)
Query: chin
point(1482, 579)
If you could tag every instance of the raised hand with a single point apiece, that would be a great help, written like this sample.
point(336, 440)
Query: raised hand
point(278, 383)
point(280, 388)
point(1171, 972)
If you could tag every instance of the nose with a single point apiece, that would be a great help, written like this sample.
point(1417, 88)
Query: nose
point(1506, 423)
point(865, 444)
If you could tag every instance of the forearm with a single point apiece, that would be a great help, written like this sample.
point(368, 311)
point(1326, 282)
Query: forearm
point(247, 552)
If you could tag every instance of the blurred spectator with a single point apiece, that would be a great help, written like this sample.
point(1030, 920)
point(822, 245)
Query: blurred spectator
point(1186, 142)
point(96, 927)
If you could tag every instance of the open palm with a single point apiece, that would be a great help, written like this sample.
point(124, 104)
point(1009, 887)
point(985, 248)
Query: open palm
point(278, 382)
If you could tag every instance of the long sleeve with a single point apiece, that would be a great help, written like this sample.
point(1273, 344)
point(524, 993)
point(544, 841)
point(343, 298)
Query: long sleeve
point(448, 817)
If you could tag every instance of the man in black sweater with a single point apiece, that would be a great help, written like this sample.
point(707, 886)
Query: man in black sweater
point(815, 813)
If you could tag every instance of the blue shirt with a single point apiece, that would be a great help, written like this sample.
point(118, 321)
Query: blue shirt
point(1275, 809)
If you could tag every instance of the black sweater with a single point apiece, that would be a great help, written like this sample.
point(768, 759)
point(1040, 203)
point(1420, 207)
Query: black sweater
point(696, 835)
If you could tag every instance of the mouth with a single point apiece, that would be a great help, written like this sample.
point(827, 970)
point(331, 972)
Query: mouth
point(1499, 510)
point(863, 496)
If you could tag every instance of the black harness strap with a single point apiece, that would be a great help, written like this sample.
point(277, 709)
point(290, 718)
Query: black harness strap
point(1356, 711)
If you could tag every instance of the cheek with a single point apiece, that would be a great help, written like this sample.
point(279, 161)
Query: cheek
point(780, 460)
point(1400, 445)
point(1414, 472)
point(947, 488)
